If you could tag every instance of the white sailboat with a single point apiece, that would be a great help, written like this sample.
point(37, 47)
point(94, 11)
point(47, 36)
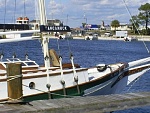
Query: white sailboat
point(57, 80)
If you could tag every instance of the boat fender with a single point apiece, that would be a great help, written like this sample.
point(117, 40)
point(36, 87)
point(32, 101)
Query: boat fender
point(101, 67)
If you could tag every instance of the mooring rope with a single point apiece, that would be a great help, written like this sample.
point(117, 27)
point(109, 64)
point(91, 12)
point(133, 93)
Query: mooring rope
point(10, 78)
point(16, 98)
point(69, 96)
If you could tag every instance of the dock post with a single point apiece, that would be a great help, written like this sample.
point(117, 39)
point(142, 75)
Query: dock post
point(14, 81)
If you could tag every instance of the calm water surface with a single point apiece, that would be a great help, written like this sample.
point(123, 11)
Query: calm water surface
point(87, 54)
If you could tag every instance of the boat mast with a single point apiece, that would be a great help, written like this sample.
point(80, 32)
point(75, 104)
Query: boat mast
point(43, 21)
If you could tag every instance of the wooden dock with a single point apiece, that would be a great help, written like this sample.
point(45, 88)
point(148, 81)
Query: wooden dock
point(92, 104)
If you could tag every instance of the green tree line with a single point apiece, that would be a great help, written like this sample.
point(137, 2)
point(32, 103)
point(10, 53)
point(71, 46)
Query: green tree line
point(143, 18)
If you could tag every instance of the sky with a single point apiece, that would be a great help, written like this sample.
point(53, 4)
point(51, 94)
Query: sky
point(72, 12)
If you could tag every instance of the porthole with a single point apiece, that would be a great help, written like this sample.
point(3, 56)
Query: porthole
point(32, 85)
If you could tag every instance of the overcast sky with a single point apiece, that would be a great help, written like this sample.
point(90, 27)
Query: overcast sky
point(72, 12)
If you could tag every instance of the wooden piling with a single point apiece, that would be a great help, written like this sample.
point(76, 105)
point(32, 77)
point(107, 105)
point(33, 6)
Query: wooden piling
point(14, 81)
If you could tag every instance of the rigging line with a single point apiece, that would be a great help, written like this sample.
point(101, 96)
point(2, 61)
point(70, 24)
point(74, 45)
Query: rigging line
point(62, 11)
point(58, 46)
point(37, 16)
point(61, 7)
point(130, 16)
point(26, 52)
point(135, 25)
point(68, 38)
point(36, 13)
point(69, 45)
point(14, 14)
point(136, 79)
point(60, 60)
point(24, 14)
point(132, 84)
point(61, 68)
point(24, 8)
point(14, 54)
point(4, 15)
point(72, 62)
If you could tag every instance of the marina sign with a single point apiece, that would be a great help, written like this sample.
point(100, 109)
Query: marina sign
point(45, 28)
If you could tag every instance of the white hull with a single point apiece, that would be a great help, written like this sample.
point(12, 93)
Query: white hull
point(106, 88)
point(84, 76)
point(130, 39)
point(101, 89)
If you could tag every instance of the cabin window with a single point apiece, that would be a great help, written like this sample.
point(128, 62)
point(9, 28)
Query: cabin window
point(30, 63)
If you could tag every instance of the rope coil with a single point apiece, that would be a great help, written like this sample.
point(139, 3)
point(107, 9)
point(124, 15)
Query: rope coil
point(16, 98)
point(13, 77)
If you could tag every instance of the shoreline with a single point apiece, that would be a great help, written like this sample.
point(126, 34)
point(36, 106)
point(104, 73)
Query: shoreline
point(140, 38)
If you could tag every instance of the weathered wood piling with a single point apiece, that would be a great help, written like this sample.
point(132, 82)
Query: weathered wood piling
point(14, 81)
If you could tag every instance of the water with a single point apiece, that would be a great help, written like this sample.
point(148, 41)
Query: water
point(88, 54)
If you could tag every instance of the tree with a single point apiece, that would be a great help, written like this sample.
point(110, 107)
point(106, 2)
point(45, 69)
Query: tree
point(144, 14)
point(135, 23)
point(115, 23)
point(83, 25)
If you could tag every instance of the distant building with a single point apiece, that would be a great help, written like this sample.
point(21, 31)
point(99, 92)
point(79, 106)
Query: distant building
point(77, 31)
point(55, 22)
point(91, 27)
point(122, 27)
point(104, 27)
point(34, 24)
point(22, 20)
point(141, 27)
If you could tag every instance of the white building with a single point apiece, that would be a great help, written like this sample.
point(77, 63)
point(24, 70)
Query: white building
point(122, 27)
point(22, 20)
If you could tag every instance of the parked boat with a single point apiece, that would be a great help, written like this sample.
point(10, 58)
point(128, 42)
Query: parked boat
point(56, 79)
point(91, 36)
point(130, 39)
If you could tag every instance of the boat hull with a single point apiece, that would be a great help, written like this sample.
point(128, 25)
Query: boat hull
point(90, 82)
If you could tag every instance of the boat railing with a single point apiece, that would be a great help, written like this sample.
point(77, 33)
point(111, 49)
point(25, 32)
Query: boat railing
point(24, 62)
